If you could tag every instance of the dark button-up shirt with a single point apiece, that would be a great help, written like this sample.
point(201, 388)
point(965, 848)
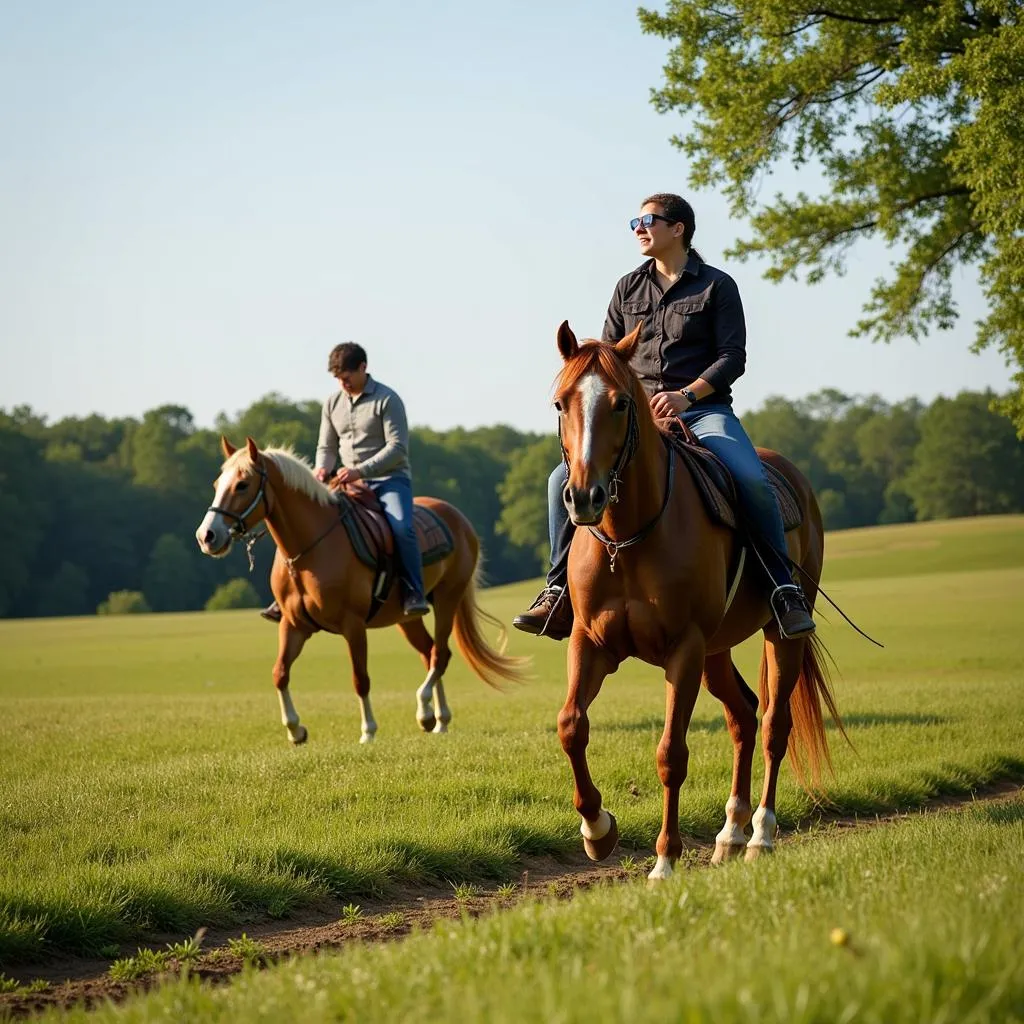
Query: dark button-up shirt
point(693, 329)
point(369, 433)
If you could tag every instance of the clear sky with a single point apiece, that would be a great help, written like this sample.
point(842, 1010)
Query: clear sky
point(198, 200)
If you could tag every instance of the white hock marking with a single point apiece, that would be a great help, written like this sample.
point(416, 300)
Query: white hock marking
point(662, 870)
point(765, 829)
point(597, 829)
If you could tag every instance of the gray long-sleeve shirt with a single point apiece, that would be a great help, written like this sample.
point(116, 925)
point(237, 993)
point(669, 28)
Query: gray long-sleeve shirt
point(369, 433)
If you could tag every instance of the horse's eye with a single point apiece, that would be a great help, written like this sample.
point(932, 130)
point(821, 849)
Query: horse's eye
point(242, 485)
point(558, 407)
point(621, 404)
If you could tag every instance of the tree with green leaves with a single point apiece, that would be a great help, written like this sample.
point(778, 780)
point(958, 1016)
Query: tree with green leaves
point(910, 109)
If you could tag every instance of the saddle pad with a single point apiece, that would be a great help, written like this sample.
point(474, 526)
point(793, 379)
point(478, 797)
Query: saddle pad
point(365, 529)
point(718, 491)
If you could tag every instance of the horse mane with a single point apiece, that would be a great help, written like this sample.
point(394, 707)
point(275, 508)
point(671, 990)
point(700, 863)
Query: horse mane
point(296, 471)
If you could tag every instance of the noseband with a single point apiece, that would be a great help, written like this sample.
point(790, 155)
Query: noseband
point(626, 453)
point(238, 528)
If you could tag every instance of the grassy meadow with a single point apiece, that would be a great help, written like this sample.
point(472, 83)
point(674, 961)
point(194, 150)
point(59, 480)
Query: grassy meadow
point(147, 786)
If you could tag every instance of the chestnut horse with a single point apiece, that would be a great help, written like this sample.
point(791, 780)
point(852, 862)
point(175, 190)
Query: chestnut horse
point(319, 582)
point(657, 587)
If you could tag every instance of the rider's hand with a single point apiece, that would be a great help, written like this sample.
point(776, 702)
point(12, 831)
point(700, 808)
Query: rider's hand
point(348, 476)
point(668, 403)
point(320, 474)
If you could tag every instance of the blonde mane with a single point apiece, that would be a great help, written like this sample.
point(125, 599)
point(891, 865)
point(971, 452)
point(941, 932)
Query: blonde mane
point(296, 471)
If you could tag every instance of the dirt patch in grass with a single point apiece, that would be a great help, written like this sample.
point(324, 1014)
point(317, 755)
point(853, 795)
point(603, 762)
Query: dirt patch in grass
point(329, 925)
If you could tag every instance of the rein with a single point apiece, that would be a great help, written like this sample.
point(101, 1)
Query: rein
point(613, 546)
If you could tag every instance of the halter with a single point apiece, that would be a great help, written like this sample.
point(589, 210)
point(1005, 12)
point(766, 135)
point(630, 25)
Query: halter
point(625, 456)
point(238, 528)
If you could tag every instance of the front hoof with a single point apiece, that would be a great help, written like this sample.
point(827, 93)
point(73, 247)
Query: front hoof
point(440, 728)
point(661, 872)
point(600, 849)
point(298, 737)
point(727, 851)
point(427, 724)
point(367, 737)
point(753, 852)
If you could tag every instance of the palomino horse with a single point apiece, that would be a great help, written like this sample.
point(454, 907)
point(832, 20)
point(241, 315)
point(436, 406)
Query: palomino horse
point(664, 598)
point(319, 582)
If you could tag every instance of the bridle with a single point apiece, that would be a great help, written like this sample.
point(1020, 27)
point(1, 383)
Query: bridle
point(625, 456)
point(238, 528)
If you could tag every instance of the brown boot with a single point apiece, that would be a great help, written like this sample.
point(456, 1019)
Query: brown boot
point(272, 612)
point(791, 612)
point(550, 615)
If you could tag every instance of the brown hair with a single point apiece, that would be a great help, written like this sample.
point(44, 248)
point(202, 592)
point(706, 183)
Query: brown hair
point(677, 209)
point(345, 357)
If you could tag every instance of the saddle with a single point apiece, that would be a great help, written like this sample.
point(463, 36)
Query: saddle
point(374, 542)
point(715, 483)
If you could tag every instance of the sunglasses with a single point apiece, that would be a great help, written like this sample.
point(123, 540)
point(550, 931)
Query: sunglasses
point(648, 219)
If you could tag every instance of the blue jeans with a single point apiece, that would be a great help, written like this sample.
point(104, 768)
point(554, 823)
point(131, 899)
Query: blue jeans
point(720, 431)
point(395, 495)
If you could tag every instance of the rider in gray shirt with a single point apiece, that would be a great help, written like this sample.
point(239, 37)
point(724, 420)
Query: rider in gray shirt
point(363, 425)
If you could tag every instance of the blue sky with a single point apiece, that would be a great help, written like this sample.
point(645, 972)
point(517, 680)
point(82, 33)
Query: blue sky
point(197, 201)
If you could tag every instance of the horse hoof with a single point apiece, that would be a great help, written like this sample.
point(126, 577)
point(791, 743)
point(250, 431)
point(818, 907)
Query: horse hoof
point(753, 852)
point(427, 724)
point(600, 849)
point(727, 851)
point(661, 872)
point(367, 737)
point(441, 727)
point(299, 736)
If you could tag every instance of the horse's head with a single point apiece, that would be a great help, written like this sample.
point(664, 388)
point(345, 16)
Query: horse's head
point(597, 396)
point(240, 499)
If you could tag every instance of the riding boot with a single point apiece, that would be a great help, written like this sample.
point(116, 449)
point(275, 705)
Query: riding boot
point(550, 615)
point(272, 612)
point(791, 610)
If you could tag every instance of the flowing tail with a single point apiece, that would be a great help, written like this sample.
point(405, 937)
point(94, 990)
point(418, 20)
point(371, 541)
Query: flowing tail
point(808, 742)
point(490, 664)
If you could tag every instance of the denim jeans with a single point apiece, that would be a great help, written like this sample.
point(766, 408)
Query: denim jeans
point(720, 431)
point(395, 495)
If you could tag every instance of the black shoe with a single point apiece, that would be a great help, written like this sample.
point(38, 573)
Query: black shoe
point(791, 612)
point(414, 606)
point(272, 612)
point(550, 615)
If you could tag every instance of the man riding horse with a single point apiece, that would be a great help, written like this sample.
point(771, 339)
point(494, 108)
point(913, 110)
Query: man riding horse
point(692, 348)
point(363, 425)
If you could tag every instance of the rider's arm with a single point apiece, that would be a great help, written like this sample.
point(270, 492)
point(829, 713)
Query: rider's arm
point(614, 325)
point(730, 332)
point(396, 440)
point(327, 445)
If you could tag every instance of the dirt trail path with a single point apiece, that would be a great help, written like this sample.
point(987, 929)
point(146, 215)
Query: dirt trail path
point(71, 980)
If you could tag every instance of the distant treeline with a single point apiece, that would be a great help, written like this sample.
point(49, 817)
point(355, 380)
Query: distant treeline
point(92, 506)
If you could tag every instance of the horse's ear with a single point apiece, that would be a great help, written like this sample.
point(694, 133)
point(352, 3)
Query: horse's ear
point(627, 347)
point(567, 343)
point(252, 448)
point(227, 447)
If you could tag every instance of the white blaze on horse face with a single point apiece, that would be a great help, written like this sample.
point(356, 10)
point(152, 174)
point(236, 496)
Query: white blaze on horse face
point(213, 522)
point(591, 389)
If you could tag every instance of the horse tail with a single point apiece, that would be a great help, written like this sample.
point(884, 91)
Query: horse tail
point(808, 741)
point(488, 663)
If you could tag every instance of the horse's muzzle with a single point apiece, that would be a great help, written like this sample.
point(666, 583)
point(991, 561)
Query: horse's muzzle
point(585, 505)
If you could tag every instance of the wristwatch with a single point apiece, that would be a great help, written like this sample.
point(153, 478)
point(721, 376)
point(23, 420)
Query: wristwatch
point(689, 396)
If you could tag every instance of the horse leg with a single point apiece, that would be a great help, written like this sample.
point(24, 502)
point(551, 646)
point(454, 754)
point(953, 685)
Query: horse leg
point(361, 681)
point(682, 684)
point(725, 683)
point(290, 642)
point(780, 668)
point(418, 636)
point(444, 617)
point(588, 666)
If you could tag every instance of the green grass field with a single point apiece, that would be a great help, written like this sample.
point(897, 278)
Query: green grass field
point(146, 784)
